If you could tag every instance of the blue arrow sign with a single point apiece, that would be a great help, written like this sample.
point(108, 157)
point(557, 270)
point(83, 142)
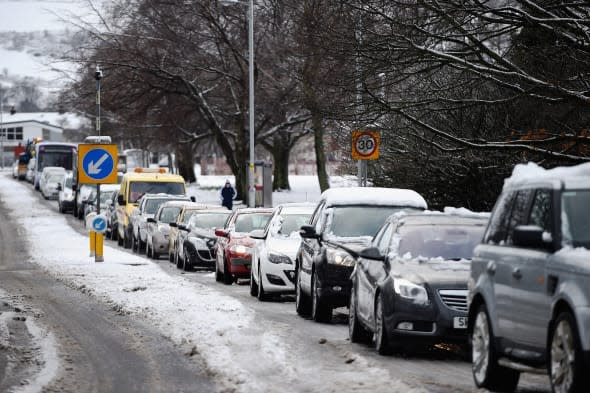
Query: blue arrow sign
point(98, 164)
point(99, 224)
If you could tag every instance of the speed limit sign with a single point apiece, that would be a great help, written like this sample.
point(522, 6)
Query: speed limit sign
point(365, 145)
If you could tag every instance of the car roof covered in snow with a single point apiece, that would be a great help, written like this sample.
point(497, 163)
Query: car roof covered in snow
point(570, 177)
point(376, 196)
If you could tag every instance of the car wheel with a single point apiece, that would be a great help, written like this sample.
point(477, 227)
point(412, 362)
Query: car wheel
point(566, 364)
point(178, 261)
point(487, 373)
point(228, 279)
point(382, 344)
point(119, 240)
point(187, 266)
point(171, 254)
point(356, 332)
point(134, 246)
point(115, 233)
point(218, 274)
point(261, 295)
point(320, 312)
point(127, 240)
point(155, 255)
point(302, 303)
point(253, 285)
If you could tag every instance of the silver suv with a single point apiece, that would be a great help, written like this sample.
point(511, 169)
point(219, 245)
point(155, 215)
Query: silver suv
point(530, 283)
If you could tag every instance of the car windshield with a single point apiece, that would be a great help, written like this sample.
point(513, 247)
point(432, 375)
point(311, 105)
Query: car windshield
point(451, 242)
point(291, 223)
point(54, 179)
point(247, 222)
point(139, 188)
point(208, 220)
point(355, 221)
point(169, 214)
point(152, 205)
point(575, 218)
point(105, 196)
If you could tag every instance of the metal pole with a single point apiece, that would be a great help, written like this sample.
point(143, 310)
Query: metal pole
point(251, 189)
point(359, 87)
point(98, 77)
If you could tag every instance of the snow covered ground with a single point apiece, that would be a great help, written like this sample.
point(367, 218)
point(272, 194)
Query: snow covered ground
point(221, 329)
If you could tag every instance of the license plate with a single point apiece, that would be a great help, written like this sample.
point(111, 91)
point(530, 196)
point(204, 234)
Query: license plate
point(460, 322)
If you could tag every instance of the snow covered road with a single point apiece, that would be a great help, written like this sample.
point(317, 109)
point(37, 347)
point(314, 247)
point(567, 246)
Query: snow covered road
point(248, 346)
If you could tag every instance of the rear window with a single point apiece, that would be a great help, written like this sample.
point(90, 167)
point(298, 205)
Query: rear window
point(138, 188)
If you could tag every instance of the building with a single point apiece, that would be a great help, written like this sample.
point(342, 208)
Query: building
point(16, 129)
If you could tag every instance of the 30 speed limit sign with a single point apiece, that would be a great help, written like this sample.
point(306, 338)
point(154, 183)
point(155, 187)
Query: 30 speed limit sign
point(365, 145)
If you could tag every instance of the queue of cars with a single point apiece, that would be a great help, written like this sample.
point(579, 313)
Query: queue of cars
point(513, 285)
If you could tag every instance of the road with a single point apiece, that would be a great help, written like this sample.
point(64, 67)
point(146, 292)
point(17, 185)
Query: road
point(323, 348)
point(98, 349)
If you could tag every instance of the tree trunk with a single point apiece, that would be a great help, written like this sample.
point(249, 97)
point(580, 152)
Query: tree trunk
point(186, 162)
point(280, 155)
point(320, 155)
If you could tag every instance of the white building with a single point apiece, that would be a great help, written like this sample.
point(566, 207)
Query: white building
point(19, 128)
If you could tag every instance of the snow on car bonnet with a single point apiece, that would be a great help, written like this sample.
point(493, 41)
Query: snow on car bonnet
point(373, 196)
point(531, 171)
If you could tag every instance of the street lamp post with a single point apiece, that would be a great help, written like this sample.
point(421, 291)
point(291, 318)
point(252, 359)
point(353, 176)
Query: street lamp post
point(251, 190)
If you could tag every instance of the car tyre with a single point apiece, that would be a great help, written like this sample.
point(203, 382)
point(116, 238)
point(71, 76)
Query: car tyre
point(228, 279)
point(179, 262)
point(382, 344)
point(218, 274)
point(261, 295)
point(487, 373)
point(253, 285)
point(320, 312)
point(119, 240)
point(186, 261)
point(126, 240)
point(566, 375)
point(134, 245)
point(356, 331)
point(302, 301)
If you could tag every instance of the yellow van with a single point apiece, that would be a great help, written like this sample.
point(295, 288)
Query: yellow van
point(137, 183)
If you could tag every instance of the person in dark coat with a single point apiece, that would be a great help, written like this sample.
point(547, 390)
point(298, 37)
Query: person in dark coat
point(227, 195)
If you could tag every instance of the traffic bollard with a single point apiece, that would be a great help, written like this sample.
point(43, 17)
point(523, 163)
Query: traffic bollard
point(98, 256)
point(92, 236)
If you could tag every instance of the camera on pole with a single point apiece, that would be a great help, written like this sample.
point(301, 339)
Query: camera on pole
point(98, 73)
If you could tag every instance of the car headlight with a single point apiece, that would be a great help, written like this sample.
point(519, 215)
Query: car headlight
point(409, 290)
point(241, 249)
point(274, 257)
point(337, 257)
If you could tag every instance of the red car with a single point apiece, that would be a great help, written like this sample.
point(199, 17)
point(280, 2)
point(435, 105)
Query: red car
point(234, 245)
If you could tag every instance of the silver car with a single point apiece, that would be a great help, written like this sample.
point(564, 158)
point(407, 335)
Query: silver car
point(529, 293)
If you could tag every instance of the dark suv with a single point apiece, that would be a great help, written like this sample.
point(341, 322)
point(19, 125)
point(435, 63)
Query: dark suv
point(345, 218)
point(530, 283)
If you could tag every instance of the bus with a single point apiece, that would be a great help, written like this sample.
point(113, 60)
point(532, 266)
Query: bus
point(58, 154)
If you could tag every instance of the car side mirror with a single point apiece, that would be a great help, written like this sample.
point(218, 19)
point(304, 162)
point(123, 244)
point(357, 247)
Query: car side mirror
point(151, 219)
point(372, 253)
point(121, 200)
point(221, 232)
point(183, 228)
point(174, 225)
point(308, 232)
point(530, 236)
point(59, 187)
point(193, 199)
point(257, 234)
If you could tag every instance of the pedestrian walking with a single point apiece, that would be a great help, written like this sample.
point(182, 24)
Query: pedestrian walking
point(228, 194)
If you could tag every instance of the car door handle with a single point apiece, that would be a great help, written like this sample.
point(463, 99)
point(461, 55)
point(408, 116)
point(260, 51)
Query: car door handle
point(516, 273)
point(491, 268)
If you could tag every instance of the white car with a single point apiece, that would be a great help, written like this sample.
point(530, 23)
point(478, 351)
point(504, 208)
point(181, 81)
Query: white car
point(30, 175)
point(65, 197)
point(273, 260)
point(81, 198)
point(49, 186)
point(45, 175)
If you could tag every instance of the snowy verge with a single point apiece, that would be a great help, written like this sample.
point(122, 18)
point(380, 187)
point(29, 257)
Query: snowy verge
point(245, 355)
